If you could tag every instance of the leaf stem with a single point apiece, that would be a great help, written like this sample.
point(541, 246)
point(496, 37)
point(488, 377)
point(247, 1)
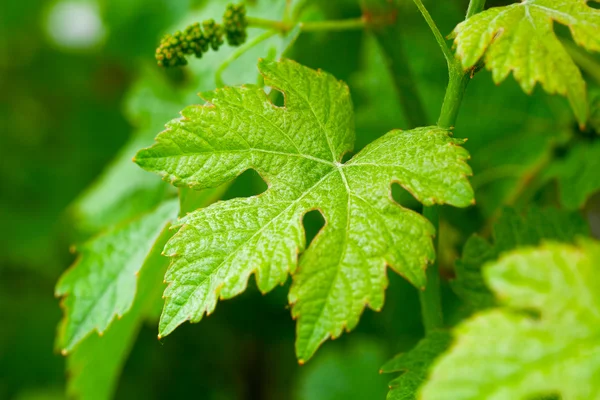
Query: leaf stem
point(457, 84)
point(436, 32)
point(312, 26)
point(238, 53)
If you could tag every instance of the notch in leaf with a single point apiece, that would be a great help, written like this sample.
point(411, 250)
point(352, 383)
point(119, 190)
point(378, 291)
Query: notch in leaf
point(298, 150)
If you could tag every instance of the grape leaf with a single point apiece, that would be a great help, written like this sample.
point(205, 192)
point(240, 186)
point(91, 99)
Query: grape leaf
point(510, 232)
point(298, 150)
point(101, 285)
point(577, 174)
point(546, 340)
point(520, 38)
point(414, 365)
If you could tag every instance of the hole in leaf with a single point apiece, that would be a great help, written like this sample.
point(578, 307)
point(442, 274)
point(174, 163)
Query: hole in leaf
point(249, 183)
point(347, 156)
point(313, 222)
point(404, 197)
point(276, 98)
point(593, 4)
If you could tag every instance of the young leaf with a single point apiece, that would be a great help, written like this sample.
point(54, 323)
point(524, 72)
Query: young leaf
point(520, 38)
point(510, 232)
point(414, 365)
point(298, 150)
point(101, 285)
point(545, 341)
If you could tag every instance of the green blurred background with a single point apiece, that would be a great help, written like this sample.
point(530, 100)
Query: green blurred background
point(80, 92)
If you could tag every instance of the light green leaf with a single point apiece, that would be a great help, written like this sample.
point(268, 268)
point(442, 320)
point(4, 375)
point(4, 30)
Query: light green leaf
point(510, 232)
point(577, 174)
point(94, 366)
point(102, 284)
point(545, 341)
point(414, 365)
point(520, 38)
point(298, 150)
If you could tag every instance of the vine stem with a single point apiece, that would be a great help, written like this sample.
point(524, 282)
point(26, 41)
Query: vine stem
point(458, 79)
point(436, 32)
point(312, 26)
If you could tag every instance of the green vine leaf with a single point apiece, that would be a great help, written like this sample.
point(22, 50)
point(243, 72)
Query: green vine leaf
point(414, 365)
point(510, 232)
point(102, 284)
point(520, 38)
point(546, 339)
point(298, 150)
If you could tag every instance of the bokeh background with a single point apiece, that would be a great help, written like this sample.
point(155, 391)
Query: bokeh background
point(80, 93)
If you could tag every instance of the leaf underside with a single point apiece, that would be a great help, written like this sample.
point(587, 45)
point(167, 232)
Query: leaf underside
point(297, 149)
point(520, 38)
point(545, 341)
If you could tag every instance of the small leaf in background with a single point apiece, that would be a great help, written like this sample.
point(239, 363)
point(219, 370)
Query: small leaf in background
point(298, 150)
point(102, 284)
point(510, 232)
point(414, 365)
point(520, 38)
point(544, 341)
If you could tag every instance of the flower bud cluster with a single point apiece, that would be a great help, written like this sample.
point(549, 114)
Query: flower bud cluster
point(196, 39)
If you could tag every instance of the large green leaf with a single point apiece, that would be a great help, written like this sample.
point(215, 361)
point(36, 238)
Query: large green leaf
point(102, 284)
point(510, 232)
point(520, 38)
point(545, 341)
point(298, 150)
